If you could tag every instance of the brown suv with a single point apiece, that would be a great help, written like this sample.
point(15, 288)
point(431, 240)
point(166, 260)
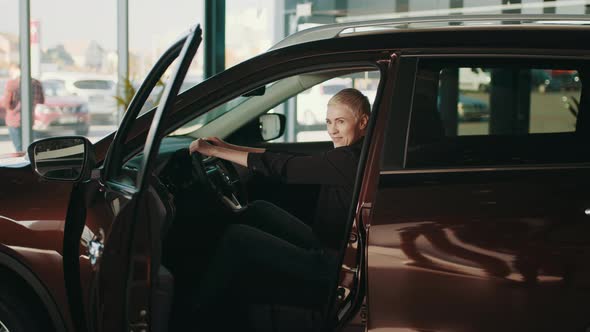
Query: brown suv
point(455, 225)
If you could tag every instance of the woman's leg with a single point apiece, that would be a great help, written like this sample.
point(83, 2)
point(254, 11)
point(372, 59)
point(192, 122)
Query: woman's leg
point(280, 223)
point(254, 266)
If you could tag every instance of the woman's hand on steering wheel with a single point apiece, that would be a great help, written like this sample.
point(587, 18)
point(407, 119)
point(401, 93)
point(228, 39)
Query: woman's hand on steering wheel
point(202, 146)
point(218, 175)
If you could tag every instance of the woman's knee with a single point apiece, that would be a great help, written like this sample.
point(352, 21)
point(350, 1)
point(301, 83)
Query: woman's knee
point(262, 205)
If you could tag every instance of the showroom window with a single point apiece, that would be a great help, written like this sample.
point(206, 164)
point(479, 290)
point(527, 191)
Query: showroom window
point(496, 113)
point(76, 66)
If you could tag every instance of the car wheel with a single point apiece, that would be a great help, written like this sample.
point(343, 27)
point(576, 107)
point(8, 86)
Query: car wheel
point(15, 314)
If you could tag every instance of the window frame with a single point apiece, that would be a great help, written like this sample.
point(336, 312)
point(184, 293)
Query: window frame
point(363, 65)
point(403, 99)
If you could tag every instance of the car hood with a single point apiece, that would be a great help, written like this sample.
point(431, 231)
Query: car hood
point(14, 160)
point(63, 101)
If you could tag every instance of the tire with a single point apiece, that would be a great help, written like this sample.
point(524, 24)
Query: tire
point(15, 314)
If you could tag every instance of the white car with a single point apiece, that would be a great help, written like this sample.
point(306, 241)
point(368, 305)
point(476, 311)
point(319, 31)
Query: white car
point(474, 79)
point(311, 103)
point(97, 90)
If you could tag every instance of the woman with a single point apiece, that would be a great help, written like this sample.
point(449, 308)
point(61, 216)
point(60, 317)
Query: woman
point(271, 256)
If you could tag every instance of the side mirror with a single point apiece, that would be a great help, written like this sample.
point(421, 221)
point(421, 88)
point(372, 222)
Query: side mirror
point(272, 125)
point(68, 158)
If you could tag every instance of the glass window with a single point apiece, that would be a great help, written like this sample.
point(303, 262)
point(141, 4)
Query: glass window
point(9, 59)
point(499, 113)
point(94, 84)
point(76, 62)
point(302, 99)
point(306, 114)
point(147, 41)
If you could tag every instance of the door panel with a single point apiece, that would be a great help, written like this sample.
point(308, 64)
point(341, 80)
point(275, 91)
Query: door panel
point(120, 241)
point(481, 250)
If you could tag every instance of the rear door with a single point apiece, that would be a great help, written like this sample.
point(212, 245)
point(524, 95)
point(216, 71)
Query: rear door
point(112, 232)
point(480, 221)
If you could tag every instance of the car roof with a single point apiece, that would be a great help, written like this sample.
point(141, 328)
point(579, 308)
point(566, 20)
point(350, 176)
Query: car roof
point(431, 23)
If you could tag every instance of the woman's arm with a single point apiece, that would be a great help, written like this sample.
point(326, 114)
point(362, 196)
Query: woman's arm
point(219, 142)
point(204, 147)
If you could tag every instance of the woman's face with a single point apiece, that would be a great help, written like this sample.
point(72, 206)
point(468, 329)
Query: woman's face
point(344, 128)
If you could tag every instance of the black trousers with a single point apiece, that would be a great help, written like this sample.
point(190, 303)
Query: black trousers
point(269, 257)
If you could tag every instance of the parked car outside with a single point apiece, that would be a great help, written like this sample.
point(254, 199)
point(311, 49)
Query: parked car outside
point(474, 79)
point(61, 111)
point(472, 109)
point(563, 80)
point(310, 102)
point(97, 90)
point(447, 232)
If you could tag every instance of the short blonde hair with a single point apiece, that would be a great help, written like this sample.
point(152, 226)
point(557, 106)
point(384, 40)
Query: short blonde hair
point(354, 100)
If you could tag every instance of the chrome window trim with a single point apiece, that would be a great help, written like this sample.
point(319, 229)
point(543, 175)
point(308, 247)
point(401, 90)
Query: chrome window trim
point(485, 54)
point(487, 169)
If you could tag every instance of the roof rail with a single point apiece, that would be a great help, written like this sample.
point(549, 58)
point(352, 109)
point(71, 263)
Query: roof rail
point(334, 30)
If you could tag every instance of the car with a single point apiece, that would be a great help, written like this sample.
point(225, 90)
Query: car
point(97, 90)
point(448, 231)
point(474, 79)
point(563, 80)
point(470, 108)
point(308, 101)
point(61, 111)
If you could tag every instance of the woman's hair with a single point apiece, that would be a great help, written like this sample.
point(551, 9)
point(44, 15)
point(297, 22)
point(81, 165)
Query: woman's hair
point(354, 100)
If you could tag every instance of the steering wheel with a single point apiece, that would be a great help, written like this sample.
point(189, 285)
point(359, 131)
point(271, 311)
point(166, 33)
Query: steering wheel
point(221, 179)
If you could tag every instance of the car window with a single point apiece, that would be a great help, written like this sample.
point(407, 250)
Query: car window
point(302, 99)
point(306, 112)
point(495, 114)
point(94, 84)
point(133, 166)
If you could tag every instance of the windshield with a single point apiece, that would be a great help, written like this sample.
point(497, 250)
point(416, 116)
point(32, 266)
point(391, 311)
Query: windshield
point(204, 119)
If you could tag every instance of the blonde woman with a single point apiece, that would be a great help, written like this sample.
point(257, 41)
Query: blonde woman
point(270, 256)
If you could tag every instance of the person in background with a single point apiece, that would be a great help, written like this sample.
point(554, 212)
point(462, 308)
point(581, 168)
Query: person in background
point(13, 105)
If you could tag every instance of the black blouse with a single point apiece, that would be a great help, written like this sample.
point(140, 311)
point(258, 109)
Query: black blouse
point(335, 170)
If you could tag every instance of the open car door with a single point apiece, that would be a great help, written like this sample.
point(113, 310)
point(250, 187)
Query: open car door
point(147, 289)
point(113, 273)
